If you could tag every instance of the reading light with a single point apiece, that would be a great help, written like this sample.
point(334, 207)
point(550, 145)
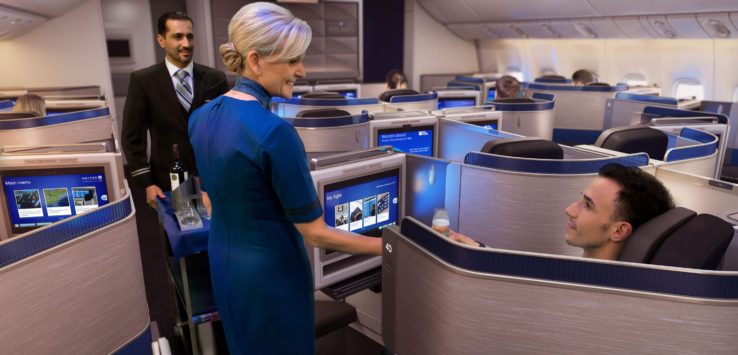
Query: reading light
point(518, 30)
point(586, 30)
point(664, 28)
point(488, 30)
point(551, 31)
point(719, 28)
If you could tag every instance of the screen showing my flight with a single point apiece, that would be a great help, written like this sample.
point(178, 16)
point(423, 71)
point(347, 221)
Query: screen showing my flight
point(409, 139)
point(364, 204)
point(36, 198)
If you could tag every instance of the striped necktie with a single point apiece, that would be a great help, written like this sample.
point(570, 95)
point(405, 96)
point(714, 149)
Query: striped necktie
point(183, 89)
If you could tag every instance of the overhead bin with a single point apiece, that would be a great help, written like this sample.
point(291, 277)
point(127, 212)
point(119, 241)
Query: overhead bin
point(475, 19)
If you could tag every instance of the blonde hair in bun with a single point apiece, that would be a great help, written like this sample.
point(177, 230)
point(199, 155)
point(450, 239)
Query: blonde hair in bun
point(269, 30)
point(231, 57)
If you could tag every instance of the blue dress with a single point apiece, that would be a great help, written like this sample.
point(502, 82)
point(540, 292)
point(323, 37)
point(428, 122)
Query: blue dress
point(254, 166)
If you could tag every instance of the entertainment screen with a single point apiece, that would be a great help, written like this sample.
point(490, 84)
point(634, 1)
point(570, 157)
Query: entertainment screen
point(364, 204)
point(486, 123)
point(408, 139)
point(450, 102)
point(349, 94)
point(36, 198)
point(491, 94)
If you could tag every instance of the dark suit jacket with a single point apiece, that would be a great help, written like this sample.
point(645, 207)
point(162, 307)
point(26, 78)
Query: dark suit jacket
point(152, 105)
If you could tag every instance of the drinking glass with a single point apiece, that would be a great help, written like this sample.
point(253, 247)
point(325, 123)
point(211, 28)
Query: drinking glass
point(441, 222)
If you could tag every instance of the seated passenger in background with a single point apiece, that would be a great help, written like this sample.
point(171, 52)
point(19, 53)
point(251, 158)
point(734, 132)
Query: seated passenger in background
point(30, 103)
point(583, 77)
point(396, 79)
point(612, 206)
point(507, 86)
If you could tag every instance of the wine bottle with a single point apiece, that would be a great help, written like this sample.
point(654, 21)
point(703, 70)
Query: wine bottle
point(177, 173)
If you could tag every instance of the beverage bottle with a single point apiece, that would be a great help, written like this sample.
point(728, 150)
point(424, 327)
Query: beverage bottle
point(177, 173)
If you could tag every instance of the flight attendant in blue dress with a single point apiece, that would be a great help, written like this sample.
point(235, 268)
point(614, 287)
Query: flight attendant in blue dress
point(264, 204)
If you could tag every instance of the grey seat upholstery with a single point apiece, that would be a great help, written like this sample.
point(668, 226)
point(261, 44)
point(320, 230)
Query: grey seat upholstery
point(524, 148)
point(700, 244)
point(635, 139)
point(514, 100)
point(323, 95)
point(15, 115)
point(387, 95)
point(322, 113)
point(680, 237)
point(643, 243)
point(331, 316)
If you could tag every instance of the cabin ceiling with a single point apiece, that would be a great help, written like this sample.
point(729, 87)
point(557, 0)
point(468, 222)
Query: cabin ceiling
point(489, 19)
point(46, 8)
point(21, 16)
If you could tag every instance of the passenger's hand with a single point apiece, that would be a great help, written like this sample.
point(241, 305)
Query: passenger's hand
point(463, 239)
point(206, 202)
point(152, 192)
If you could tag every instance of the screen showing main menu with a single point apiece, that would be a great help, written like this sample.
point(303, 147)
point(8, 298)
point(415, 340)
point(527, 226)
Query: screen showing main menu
point(365, 204)
point(36, 198)
point(409, 139)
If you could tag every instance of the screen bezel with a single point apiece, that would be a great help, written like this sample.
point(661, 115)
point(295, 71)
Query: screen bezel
point(368, 175)
point(409, 128)
point(15, 171)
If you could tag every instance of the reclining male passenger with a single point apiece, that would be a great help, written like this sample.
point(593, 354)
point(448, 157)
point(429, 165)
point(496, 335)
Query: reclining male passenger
point(612, 206)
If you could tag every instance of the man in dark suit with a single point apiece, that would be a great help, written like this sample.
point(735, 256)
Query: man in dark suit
point(160, 98)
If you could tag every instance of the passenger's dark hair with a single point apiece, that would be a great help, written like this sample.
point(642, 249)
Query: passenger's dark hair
point(161, 24)
point(584, 76)
point(641, 196)
point(395, 77)
point(507, 86)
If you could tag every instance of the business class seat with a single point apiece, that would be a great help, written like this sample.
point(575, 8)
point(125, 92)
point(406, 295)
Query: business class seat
point(323, 95)
point(16, 115)
point(322, 113)
point(387, 95)
point(635, 139)
point(331, 316)
point(599, 83)
point(680, 237)
point(524, 148)
point(514, 100)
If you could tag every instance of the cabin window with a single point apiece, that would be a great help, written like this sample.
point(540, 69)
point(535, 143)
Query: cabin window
point(634, 79)
point(688, 88)
point(515, 72)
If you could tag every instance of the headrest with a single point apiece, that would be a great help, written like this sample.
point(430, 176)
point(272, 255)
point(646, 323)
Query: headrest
point(387, 95)
point(635, 139)
point(598, 84)
point(699, 244)
point(553, 77)
point(524, 148)
point(643, 243)
point(14, 115)
point(514, 100)
point(322, 95)
point(323, 113)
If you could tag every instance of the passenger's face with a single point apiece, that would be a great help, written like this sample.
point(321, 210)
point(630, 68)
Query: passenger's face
point(591, 224)
point(279, 78)
point(178, 42)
